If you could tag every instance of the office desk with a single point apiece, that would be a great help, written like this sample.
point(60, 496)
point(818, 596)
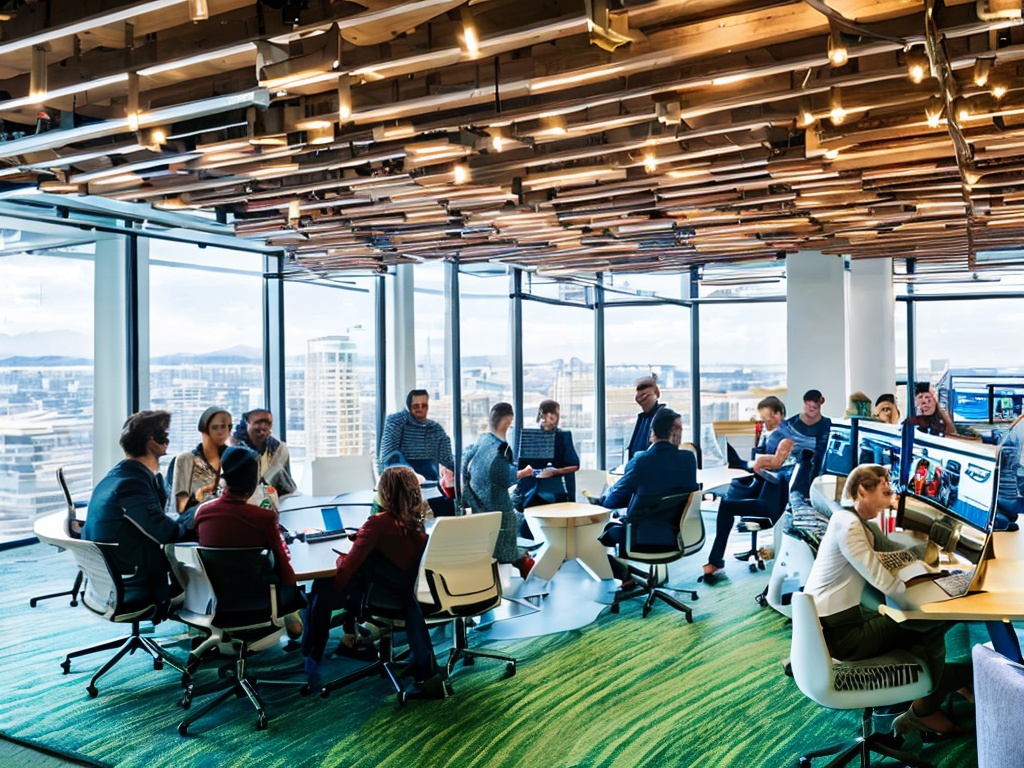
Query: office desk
point(1001, 602)
point(49, 529)
point(362, 498)
point(709, 479)
point(570, 531)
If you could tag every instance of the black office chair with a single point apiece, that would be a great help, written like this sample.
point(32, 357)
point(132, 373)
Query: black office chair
point(244, 583)
point(73, 528)
point(105, 595)
point(760, 513)
point(688, 526)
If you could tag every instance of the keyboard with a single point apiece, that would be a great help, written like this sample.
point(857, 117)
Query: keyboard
point(313, 538)
point(957, 583)
point(893, 561)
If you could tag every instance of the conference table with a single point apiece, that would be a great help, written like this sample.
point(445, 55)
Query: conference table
point(710, 479)
point(570, 532)
point(1000, 602)
point(314, 560)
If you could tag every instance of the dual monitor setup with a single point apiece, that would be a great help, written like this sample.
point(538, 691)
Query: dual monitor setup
point(947, 487)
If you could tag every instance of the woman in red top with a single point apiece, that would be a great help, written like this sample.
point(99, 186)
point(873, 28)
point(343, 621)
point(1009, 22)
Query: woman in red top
point(391, 542)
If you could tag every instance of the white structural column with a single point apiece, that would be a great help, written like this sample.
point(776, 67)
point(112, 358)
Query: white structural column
point(816, 340)
point(110, 352)
point(401, 337)
point(872, 328)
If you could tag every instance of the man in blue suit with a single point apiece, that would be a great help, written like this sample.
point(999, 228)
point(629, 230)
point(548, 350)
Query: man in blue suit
point(661, 470)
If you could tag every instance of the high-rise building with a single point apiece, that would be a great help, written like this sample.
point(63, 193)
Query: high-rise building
point(333, 420)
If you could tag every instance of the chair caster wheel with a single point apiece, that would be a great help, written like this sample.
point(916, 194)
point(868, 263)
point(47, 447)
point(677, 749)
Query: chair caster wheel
point(760, 565)
point(158, 664)
point(803, 762)
point(760, 600)
point(645, 612)
point(261, 724)
point(93, 691)
point(510, 670)
point(694, 596)
point(305, 690)
point(74, 604)
point(402, 698)
point(753, 568)
point(324, 693)
point(66, 666)
point(615, 607)
point(689, 618)
point(182, 729)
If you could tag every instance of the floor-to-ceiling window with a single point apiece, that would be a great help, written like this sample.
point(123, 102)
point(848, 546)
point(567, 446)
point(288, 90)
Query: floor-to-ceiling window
point(330, 367)
point(484, 340)
point(46, 376)
point(431, 340)
point(643, 337)
point(205, 338)
point(558, 360)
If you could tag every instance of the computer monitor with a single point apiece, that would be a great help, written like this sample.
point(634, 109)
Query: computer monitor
point(1005, 403)
point(840, 453)
point(956, 477)
point(881, 443)
point(534, 446)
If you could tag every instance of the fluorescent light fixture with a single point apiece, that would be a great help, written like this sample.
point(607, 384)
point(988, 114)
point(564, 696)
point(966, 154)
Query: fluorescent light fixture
point(255, 97)
point(982, 70)
point(470, 38)
point(918, 66)
point(933, 112)
point(68, 90)
point(87, 23)
point(547, 83)
point(835, 101)
point(460, 174)
point(199, 58)
point(273, 170)
point(132, 107)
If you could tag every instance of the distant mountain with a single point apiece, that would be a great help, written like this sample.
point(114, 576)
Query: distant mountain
point(47, 361)
point(237, 355)
point(51, 343)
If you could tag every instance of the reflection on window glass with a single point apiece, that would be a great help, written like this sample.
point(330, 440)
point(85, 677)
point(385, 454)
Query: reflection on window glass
point(558, 363)
point(742, 358)
point(206, 335)
point(486, 360)
point(628, 287)
point(644, 341)
point(431, 342)
point(330, 369)
point(46, 384)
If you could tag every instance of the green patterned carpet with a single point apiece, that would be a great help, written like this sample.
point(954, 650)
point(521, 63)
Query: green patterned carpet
point(624, 691)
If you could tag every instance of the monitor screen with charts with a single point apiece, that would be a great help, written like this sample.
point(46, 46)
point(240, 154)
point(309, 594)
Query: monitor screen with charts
point(880, 443)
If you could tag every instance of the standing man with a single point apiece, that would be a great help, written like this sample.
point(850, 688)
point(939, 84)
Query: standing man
point(127, 509)
point(254, 431)
point(647, 394)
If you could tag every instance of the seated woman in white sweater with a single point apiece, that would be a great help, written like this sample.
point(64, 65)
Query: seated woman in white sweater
point(846, 561)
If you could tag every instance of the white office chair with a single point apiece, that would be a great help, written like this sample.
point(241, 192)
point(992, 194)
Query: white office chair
point(892, 678)
point(104, 595)
point(690, 540)
point(73, 530)
point(459, 580)
point(592, 481)
point(331, 475)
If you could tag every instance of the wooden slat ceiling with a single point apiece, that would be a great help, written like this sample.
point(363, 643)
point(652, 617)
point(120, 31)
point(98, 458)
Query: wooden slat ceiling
point(592, 135)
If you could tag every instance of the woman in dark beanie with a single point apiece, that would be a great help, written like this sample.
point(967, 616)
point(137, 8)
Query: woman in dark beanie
point(196, 472)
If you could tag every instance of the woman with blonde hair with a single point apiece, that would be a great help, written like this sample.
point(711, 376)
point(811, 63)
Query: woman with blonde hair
point(847, 560)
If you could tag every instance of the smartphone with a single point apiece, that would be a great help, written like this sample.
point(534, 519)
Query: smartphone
point(332, 518)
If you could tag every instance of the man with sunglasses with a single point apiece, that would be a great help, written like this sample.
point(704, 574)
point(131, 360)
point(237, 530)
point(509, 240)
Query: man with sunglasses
point(127, 509)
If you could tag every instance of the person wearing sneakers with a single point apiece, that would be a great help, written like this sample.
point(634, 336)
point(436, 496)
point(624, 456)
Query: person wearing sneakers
point(488, 469)
point(846, 562)
point(660, 470)
point(231, 521)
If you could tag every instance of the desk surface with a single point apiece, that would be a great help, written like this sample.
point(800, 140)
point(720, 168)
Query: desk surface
point(50, 528)
point(1003, 595)
point(568, 511)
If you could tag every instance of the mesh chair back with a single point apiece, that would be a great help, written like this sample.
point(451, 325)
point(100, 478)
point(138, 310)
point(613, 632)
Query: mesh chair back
point(591, 480)
point(199, 602)
point(678, 513)
point(691, 526)
point(459, 567)
point(241, 579)
point(104, 590)
point(71, 525)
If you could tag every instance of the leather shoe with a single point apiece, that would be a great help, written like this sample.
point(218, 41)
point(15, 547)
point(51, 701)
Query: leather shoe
point(524, 566)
